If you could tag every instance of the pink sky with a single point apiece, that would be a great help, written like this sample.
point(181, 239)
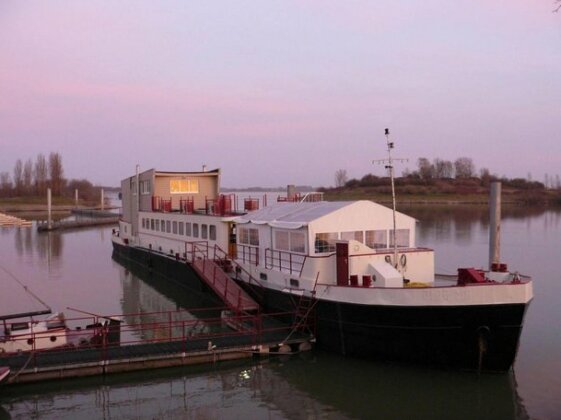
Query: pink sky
point(279, 92)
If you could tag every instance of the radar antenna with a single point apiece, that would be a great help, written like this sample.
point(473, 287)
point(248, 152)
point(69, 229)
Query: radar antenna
point(389, 166)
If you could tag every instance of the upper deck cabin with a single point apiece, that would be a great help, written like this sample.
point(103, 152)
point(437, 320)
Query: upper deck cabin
point(153, 190)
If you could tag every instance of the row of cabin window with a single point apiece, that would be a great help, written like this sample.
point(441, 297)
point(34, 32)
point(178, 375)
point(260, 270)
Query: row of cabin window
point(180, 228)
point(295, 241)
point(376, 239)
point(292, 241)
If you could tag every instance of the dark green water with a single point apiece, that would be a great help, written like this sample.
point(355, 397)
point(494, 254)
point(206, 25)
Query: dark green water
point(75, 269)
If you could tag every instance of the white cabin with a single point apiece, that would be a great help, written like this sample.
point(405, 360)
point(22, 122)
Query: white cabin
point(342, 243)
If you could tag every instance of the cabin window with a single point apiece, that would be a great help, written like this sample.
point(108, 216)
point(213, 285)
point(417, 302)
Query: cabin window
point(168, 226)
point(181, 228)
point(212, 232)
point(152, 224)
point(297, 242)
point(325, 242)
point(187, 229)
point(157, 222)
point(402, 238)
point(174, 227)
point(357, 235)
point(163, 224)
point(281, 241)
point(133, 186)
point(195, 230)
point(376, 239)
point(248, 236)
point(263, 276)
point(204, 231)
point(144, 187)
point(184, 186)
point(294, 283)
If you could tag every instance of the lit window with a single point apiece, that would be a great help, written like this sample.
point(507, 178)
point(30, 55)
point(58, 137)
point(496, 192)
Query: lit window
point(184, 186)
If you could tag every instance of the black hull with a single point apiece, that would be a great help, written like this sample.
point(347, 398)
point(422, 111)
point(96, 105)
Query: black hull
point(481, 338)
point(465, 337)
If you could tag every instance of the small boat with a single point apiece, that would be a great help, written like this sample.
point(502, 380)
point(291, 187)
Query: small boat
point(4, 373)
point(33, 334)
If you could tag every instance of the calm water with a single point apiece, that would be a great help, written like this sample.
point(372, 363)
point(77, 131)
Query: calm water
point(75, 269)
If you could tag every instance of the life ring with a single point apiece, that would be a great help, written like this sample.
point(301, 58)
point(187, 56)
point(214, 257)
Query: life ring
point(403, 260)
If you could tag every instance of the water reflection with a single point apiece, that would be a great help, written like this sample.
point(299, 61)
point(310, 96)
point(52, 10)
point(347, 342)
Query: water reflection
point(319, 386)
point(149, 298)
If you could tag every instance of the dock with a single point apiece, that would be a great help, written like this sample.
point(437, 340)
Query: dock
point(91, 217)
point(182, 340)
point(8, 221)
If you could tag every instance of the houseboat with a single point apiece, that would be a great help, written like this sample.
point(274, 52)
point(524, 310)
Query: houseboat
point(354, 265)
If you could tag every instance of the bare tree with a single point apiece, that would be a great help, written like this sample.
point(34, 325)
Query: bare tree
point(56, 172)
point(340, 178)
point(5, 184)
point(426, 169)
point(443, 168)
point(464, 167)
point(41, 174)
point(18, 177)
point(28, 177)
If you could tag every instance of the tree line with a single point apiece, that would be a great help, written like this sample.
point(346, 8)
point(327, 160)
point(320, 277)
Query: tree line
point(30, 179)
point(462, 170)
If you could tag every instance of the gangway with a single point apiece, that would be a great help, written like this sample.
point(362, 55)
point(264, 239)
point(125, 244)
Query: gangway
point(212, 273)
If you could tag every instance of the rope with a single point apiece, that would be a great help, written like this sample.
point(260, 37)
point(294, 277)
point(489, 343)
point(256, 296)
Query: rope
point(25, 287)
point(13, 378)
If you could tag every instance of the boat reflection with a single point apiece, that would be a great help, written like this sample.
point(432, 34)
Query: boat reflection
point(151, 299)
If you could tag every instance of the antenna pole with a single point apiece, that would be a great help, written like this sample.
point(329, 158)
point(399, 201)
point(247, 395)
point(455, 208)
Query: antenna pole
point(389, 166)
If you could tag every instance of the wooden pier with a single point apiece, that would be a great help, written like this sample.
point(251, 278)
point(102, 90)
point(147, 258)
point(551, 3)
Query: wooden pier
point(7, 220)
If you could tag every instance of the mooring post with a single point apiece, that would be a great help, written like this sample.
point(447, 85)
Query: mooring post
point(49, 210)
point(495, 224)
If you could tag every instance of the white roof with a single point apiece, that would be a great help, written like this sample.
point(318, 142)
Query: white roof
point(296, 215)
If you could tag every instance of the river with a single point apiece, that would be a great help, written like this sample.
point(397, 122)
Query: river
point(75, 268)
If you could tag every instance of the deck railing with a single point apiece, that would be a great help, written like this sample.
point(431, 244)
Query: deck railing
point(284, 261)
point(183, 330)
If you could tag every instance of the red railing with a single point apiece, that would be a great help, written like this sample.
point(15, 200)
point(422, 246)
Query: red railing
point(247, 254)
point(200, 251)
point(181, 326)
point(186, 205)
point(160, 204)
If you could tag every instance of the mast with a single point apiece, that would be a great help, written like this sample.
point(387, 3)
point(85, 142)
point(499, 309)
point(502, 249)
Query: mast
point(389, 166)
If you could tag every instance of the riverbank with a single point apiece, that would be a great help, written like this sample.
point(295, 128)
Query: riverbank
point(383, 196)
